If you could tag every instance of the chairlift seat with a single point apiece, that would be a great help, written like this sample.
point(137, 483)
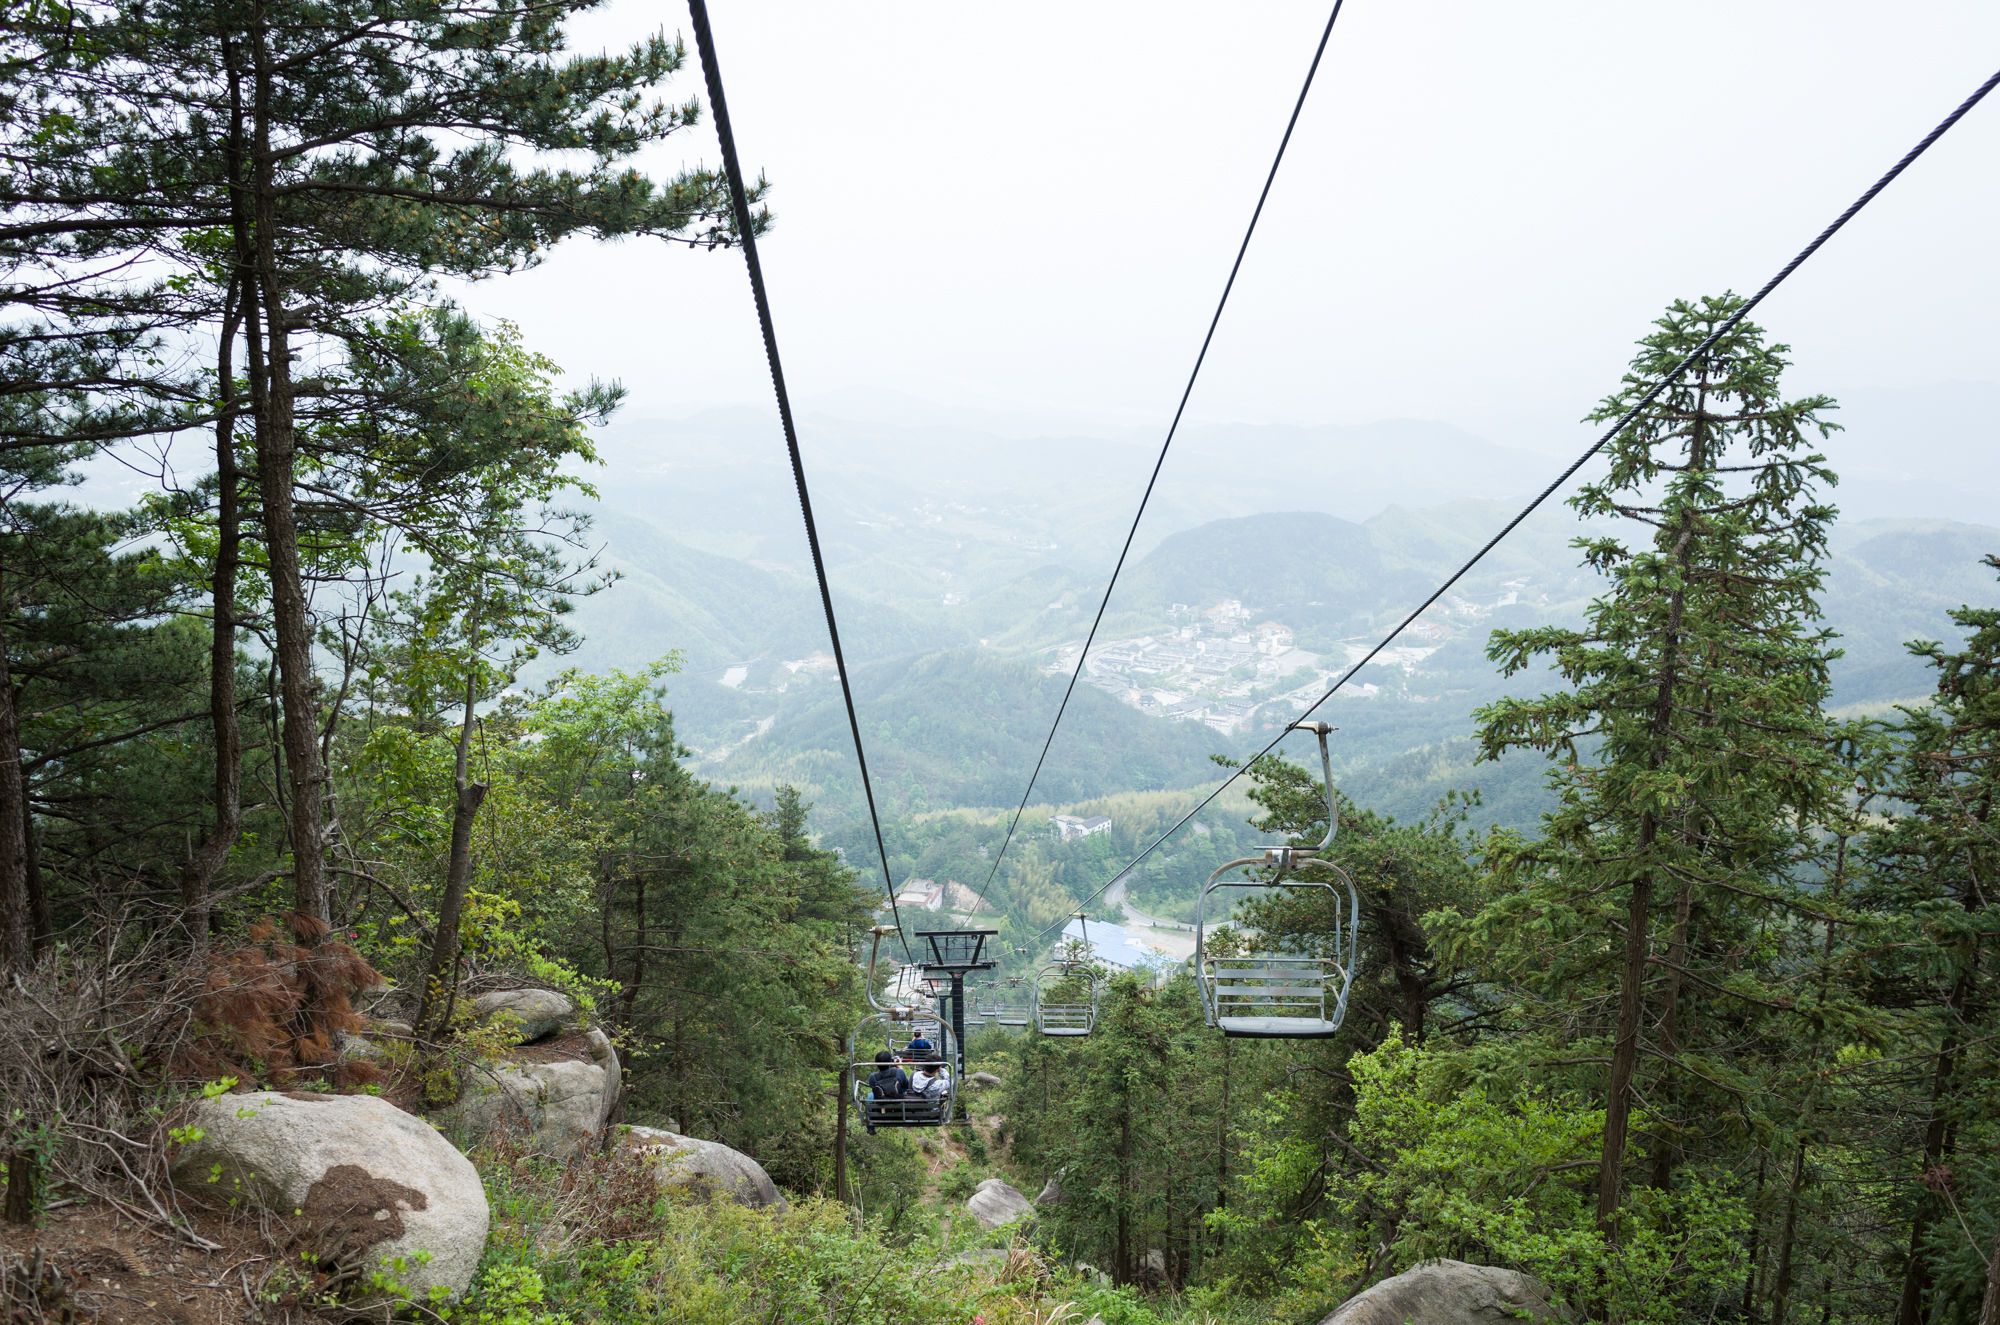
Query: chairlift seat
point(910, 1111)
point(1277, 1028)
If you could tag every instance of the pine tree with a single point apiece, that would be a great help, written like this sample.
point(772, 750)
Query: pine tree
point(1932, 885)
point(1693, 763)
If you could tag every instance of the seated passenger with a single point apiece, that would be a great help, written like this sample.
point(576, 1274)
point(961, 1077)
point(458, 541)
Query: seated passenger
point(931, 1082)
point(887, 1081)
point(919, 1049)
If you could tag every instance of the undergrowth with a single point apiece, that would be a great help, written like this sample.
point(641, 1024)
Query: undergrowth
point(592, 1241)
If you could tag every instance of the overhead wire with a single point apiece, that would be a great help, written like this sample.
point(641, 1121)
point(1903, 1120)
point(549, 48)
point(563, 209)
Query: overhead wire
point(1213, 322)
point(747, 236)
point(1562, 479)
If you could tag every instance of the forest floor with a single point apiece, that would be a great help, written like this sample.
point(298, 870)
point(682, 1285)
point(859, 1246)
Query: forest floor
point(115, 1269)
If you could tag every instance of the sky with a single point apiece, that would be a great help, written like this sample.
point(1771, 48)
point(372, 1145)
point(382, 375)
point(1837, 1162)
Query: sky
point(1030, 212)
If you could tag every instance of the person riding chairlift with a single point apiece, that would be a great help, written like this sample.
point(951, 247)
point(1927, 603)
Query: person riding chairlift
point(888, 1081)
point(919, 1050)
point(931, 1081)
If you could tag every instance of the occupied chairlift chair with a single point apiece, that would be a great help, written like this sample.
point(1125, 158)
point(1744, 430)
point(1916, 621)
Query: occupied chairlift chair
point(893, 1027)
point(1066, 992)
point(1277, 995)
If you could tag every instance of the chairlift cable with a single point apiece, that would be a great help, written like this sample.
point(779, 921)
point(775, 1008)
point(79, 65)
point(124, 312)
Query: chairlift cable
point(1186, 392)
point(747, 233)
point(1563, 478)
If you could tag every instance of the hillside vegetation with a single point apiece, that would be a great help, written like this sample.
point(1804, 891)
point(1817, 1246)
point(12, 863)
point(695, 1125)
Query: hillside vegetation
point(349, 900)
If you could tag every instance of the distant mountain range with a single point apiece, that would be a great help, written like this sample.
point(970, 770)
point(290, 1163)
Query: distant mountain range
point(962, 561)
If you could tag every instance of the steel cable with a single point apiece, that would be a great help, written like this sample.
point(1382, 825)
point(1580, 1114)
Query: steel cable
point(747, 236)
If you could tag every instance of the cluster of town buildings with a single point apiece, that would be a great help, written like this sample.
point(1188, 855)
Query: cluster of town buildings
point(1210, 666)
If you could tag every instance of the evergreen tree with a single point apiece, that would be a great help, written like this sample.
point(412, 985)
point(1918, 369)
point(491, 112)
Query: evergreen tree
point(1932, 886)
point(1693, 764)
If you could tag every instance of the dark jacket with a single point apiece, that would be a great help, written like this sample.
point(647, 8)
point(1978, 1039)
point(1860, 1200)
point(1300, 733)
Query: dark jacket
point(888, 1083)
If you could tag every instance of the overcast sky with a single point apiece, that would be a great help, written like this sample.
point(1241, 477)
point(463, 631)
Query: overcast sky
point(1032, 208)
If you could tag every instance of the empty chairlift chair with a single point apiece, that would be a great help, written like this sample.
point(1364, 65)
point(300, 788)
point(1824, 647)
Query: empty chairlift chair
point(1283, 995)
point(985, 1001)
point(1010, 1008)
point(1066, 992)
point(1066, 999)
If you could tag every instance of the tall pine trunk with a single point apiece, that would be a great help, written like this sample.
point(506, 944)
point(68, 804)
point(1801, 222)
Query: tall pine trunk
point(277, 456)
point(1781, 1285)
point(441, 986)
point(226, 792)
point(1939, 1136)
point(840, 1136)
point(17, 918)
point(1639, 905)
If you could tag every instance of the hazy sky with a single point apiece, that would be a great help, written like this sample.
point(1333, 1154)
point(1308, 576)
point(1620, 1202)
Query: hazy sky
point(1031, 208)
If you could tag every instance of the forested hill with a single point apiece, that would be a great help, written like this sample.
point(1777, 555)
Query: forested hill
point(951, 693)
point(960, 729)
point(715, 610)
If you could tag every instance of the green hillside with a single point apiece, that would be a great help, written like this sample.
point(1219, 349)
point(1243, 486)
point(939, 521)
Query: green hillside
point(963, 728)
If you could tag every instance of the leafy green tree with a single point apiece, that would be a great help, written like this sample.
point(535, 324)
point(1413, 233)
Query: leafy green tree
point(502, 567)
point(1136, 1119)
point(96, 681)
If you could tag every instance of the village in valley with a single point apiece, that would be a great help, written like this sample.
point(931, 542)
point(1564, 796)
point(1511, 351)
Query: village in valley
point(1211, 665)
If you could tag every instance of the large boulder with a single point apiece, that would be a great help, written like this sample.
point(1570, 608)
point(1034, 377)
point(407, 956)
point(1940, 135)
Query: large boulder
point(361, 1184)
point(1052, 1192)
point(558, 1107)
point(994, 1204)
point(540, 1012)
point(705, 1169)
point(1448, 1293)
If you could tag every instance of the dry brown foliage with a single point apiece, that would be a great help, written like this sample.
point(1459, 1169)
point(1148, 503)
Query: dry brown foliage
point(270, 1009)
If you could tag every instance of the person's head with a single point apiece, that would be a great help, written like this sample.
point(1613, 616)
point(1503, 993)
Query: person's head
point(883, 1058)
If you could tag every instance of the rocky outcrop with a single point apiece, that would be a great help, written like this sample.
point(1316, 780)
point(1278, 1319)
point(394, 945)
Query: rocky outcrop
point(1448, 1293)
point(982, 1079)
point(359, 1184)
point(1052, 1193)
point(704, 1169)
point(540, 1012)
point(559, 1107)
point(995, 1204)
